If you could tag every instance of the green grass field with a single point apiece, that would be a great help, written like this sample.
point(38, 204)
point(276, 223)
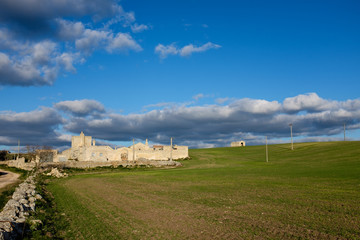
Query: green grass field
point(312, 192)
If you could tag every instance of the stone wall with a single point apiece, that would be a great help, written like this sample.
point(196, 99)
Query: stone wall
point(164, 153)
point(13, 216)
point(19, 163)
point(91, 164)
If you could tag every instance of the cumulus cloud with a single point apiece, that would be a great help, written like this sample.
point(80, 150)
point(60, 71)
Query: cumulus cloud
point(24, 71)
point(92, 39)
point(66, 60)
point(35, 64)
point(188, 50)
point(256, 106)
point(95, 39)
point(37, 127)
point(40, 40)
point(218, 125)
point(193, 125)
point(80, 107)
point(307, 102)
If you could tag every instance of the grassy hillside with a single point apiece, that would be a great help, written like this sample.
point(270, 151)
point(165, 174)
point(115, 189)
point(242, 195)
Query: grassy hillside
point(312, 192)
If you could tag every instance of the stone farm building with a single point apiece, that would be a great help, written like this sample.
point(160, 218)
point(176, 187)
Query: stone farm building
point(83, 148)
point(238, 144)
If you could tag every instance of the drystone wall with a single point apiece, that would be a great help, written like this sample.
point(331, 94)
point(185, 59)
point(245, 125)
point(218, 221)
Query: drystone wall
point(93, 164)
point(19, 163)
point(90, 164)
point(13, 216)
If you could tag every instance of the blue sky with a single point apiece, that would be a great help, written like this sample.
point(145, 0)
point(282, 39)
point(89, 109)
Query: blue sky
point(204, 72)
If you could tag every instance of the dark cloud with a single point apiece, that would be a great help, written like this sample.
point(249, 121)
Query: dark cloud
point(80, 107)
point(216, 125)
point(41, 39)
point(196, 126)
point(37, 127)
point(37, 14)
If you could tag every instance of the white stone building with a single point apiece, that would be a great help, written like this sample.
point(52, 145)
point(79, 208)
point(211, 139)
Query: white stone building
point(83, 148)
point(238, 144)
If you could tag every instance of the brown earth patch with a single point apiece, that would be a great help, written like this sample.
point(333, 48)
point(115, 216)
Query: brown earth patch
point(7, 178)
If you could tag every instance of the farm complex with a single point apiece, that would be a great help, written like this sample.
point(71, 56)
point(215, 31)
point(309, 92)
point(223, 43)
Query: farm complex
point(83, 148)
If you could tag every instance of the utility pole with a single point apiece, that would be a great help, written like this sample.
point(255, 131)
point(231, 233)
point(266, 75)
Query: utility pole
point(344, 133)
point(18, 149)
point(292, 145)
point(171, 148)
point(133, 150)
point(267, 156)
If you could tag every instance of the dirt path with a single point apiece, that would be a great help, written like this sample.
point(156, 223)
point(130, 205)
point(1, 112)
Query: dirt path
point(7, 178)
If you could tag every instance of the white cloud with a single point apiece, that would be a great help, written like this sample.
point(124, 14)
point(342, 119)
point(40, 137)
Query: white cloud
point(91, 40)
point(306, 102)
point(136, 28)
point(188, 50)
point(256, 106)
point(351, 105)
point(126, 18)
point(165, 51)
point(67, 60)
point(221, 100)
point(198, 96)
point(123, 42)
point(42, 52)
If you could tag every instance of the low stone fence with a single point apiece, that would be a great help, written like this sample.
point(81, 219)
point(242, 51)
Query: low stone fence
point(13, 216)
point(19, 163)
point(88, 164)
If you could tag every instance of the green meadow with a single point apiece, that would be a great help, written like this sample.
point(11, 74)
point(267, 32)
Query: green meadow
point(312, 192)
